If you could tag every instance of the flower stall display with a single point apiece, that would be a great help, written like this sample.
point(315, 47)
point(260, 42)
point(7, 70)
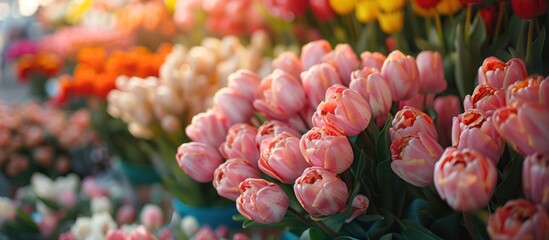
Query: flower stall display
point(36, 69)
point(37, 138)
point(336, 145)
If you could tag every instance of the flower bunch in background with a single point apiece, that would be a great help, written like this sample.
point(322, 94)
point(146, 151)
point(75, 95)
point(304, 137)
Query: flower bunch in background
point(369, 163)
point(36, 69)
point(36, 138)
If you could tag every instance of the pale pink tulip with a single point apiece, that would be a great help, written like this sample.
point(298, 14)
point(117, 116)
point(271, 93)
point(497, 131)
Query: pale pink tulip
point(401, 74)
point(498, 74)
point(117, 234)
point(286, 10)
point(280, 95)
point(526, 90)
point(198, 160)
point(344, 59)
point(524, 127)
point(151, 216)
point(125, 214)
point(240, 236)
point(473, 130)
point(317, 80)
point(327, 148)
point(465, 179)
point(411, 121)
point(229, 175)
point(312, 53)
point(48, 224)
point(245, 82)
point(544, 92)
point(372, 60)
point(344, 110)
point(208, 128)
point(414, 158)
point(418, 101)
point(262, 201)
point(233, 106)
point(446, 107)
point(206, 233)
point(485, 98)
point(519, 219)
point(283, 160)
point(535, 178)
point(369, 83)
point(359, 206)
point(67, 198)
point(241, 143)
point(141, 233)
point(288, 62)
point(431, 72)
point(321, 192)
point(270, 129)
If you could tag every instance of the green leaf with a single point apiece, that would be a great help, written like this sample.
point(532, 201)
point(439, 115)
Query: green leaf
point(413, 230)
point(345, 238)
point(475, 224)
point(468, 57)
point(510, 185)
point(392, 197)
point(535, 65)
point(383, 141)
point(369, 218)
point(312, 234)
point(419, 211)
point(390, 236)
point(448, 227)
point(50, 204)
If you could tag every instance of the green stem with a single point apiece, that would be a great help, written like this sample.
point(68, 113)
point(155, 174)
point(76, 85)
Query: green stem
point(529, 41)
point(439, 30)
point(427, 25)
point(467, 23)
point(500, 20)
point(320, 224)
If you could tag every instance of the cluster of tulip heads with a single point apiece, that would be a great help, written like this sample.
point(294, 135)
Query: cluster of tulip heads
point(323, 95)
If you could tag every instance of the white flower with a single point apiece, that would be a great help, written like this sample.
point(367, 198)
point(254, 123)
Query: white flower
point(101, 204)
point(43, 186)
point(81, 228)
point(102, 223)
point(190, 226)
point(42, 208)
point(8, 210)
point(67, 183)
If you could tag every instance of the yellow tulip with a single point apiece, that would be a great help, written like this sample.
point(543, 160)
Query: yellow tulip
point(76, 10)
point(343, 7)
point(366, 10)
point(448, 7)
point(170, 5)
point(422, 11)
point(391, 5)
point(391, 22)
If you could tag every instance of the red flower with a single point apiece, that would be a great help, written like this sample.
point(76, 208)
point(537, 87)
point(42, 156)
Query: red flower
point(489, 15)
point(465, 2)
point(427, 4)
point(527, 9)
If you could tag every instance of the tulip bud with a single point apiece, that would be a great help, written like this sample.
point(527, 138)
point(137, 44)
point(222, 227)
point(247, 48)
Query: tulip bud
point(372, 60)
point(473, 130)
point(427, 4)
point(369, 83)
point(280, 95)
point(344, 110)
point(519, 219)
point(359, 206)
point(233, 106)
point(401, 73)
point(208, 128)
point(465, 179)
point(288, 62)
point(322, 9)
point(125, 214)
point(527, 9)
point(448, 7)
point(262, 201)
point(117, 234)
point(499, 74)
point(286, 10)
point(414, 158)
point(151, 216)
point(206, 232)
point(344, 59)
point(245, 82)
point(198, 160)
point(527, 90)
point(366, 11)
point(317, 80)
point(141, 233)
point(241, 143)
point(411, 121)
point(431, 72)
point(270, 129)
point(229, 175)
point(312, 53)
point(283, 160)
point(321, 192)
point(343, 7)
point(391, 22)
point(485, 98)
point(327, 148)
point(535, 178)
point(446, 107)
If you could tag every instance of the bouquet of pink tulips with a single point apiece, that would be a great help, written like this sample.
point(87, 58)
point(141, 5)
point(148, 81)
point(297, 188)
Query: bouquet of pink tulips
point(330, 144)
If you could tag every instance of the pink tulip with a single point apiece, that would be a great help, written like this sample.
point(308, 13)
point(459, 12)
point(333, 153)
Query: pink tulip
point(465, 178)
point(327, 148)
point(262, 201)
point(344, 110)
point(245, 82)
point(411, 121)
point(117, 234)
point(473, 130)
point(431, 72)
point(48, 224)
point(283, 160)
point(527, 90)
point(313, 52)
point(317, 80)
point(544, 92)
point(414, 158)
point(141, 233)
point(240, 236)
point(359, 206)
point(286, 10)
point(447, 108)
point(524, 127)
point(229, 175)
point(344, 59)
point(369, 83)
point(233, 106)
point(288, 62)
point(535, 178)
point(322, 9)
point(485, 98)
point(498, 74)
point(206, 233)
point(301, 121)
point(241, 143)
point(208, 128)
point(67, 198)
point(401, 73)
point(198, 160)
point(67, 236)
point(151, 216)
point(280, 95)
point(519, 219)
point(321, 192)
point(91, 188)
point(418, 101)
point(125, 214)
point(270, 129)
point(372, 60)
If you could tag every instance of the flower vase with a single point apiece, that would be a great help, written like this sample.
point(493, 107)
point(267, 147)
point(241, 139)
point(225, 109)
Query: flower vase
point(212, 216)
point(139, 174)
